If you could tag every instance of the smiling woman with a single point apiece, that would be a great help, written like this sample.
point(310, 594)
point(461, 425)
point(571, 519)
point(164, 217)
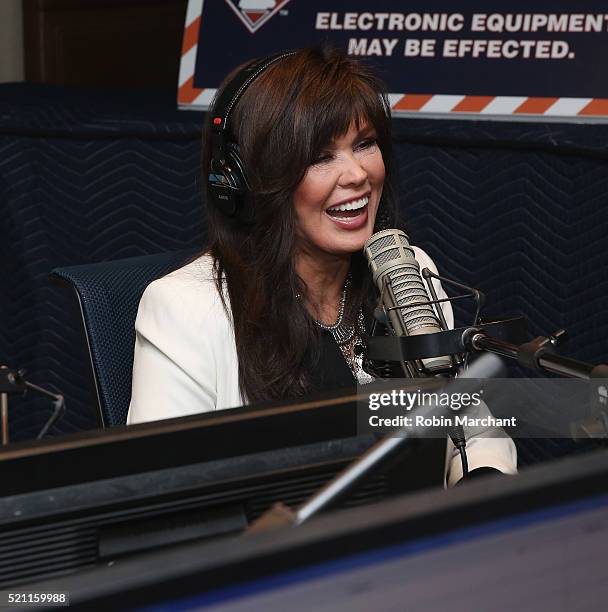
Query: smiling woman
point(335, 208)
point(299, 175)
point(336, 202)
point(298, 160)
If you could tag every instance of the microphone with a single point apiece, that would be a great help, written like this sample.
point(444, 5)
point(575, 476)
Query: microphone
point(403, 294)
point(405, 298)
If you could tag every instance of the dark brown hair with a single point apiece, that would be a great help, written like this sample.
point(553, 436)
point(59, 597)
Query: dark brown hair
point(298, 106)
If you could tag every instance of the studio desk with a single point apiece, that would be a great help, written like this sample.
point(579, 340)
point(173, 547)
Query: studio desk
point(98, 497)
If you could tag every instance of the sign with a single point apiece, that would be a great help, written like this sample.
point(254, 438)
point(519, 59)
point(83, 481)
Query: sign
point(509, 59)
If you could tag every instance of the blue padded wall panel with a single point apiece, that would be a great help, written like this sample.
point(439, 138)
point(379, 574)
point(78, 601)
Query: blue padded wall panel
point(516, 209)
point(526, 227)
point(81, 181)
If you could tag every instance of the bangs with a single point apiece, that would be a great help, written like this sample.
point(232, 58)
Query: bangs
point(338, 99)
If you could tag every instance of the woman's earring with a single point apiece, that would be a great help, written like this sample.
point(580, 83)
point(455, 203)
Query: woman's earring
point(383, 220)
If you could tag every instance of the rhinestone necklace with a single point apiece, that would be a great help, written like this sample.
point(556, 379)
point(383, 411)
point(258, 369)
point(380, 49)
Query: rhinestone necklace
point(338, 328)
point(347, 336)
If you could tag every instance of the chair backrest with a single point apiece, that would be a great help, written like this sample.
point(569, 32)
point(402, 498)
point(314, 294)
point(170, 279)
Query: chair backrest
point(108, 295)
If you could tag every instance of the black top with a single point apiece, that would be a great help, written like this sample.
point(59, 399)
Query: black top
point(331, 372)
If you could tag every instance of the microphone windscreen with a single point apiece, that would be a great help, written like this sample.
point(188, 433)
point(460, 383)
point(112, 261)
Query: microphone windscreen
point(403, 293)
point(391, 257)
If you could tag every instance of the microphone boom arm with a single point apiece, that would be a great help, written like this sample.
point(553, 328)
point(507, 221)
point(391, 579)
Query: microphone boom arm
point(537, 354)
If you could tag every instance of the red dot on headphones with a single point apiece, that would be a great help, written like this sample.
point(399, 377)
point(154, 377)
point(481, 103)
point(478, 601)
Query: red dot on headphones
point(217, 121)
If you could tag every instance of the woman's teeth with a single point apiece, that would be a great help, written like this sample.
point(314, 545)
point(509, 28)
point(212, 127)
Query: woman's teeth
point(355, 205)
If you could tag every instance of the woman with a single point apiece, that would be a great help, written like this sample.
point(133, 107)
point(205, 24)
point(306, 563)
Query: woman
point(276, 306)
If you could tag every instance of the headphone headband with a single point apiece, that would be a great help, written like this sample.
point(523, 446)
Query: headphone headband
point(237, 86)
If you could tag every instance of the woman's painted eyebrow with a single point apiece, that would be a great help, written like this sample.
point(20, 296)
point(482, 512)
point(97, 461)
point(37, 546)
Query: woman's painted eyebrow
point(367, 130)
point(363, 133)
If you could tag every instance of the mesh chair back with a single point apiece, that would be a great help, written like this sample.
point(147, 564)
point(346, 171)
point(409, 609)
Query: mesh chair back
point(108, 294)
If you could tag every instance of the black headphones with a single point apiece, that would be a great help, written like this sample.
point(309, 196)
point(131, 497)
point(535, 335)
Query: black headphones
point(227, 185)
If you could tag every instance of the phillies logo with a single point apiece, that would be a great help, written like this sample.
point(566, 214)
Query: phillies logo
point(255, 13)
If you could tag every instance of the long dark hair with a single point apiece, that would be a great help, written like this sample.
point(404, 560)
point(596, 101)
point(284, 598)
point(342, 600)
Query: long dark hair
point(281, 123)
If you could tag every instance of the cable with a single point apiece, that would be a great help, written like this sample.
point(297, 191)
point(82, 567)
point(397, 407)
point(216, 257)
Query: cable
point(465, 463)
point(58, 403)
point(456, 434)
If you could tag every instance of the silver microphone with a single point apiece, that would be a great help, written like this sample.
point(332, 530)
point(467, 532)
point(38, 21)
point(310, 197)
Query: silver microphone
point(402, 291)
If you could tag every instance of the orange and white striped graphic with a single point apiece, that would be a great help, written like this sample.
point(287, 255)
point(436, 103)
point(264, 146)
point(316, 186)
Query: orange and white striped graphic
point(509, 106)
point(191, 97)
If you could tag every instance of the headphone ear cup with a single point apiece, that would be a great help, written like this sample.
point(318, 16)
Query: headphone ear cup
point(227, 186)
point(244, 208)
point(233, 158)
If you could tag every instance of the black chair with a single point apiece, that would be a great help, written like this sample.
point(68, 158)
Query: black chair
point(108, 295)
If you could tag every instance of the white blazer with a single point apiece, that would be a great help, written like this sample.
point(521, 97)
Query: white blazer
point(186, 362)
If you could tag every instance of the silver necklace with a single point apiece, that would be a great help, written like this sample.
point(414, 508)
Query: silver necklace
point(347, 336)
point(338, 327)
